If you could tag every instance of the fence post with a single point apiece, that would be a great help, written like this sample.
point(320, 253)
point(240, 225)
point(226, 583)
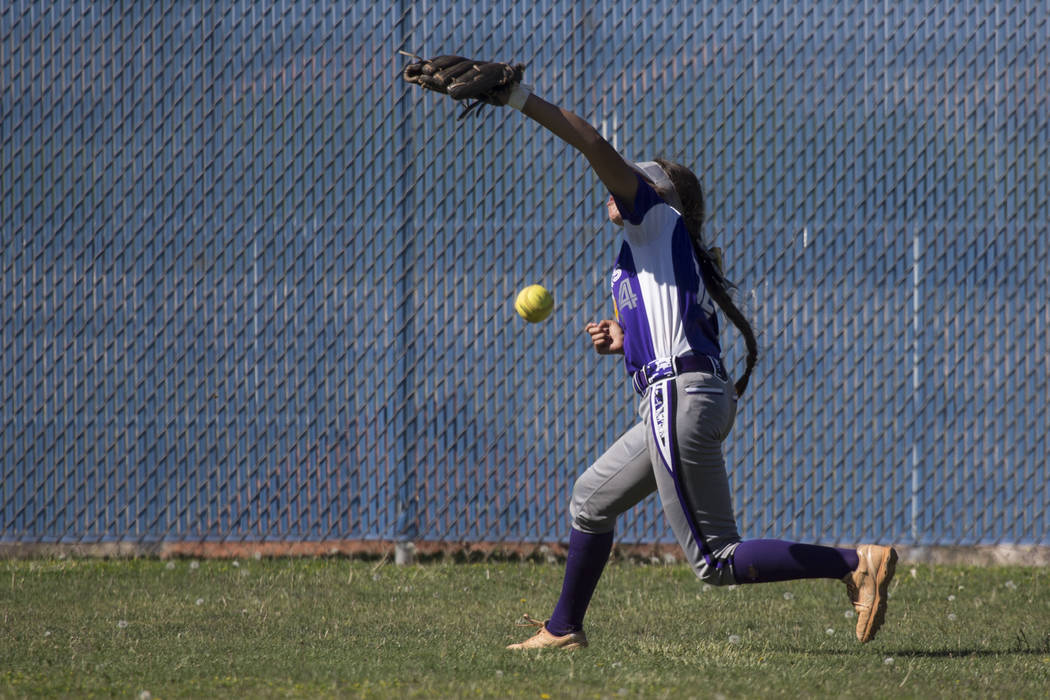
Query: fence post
point(406, 526)
point(916, 385)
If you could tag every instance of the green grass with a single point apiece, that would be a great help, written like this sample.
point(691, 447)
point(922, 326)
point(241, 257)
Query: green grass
point(333, 627)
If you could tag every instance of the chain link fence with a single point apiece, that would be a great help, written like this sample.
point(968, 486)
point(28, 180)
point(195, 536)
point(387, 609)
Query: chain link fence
point(254, 289)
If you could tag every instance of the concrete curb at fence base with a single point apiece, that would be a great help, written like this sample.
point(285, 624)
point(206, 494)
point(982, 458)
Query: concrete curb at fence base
point(409, 552)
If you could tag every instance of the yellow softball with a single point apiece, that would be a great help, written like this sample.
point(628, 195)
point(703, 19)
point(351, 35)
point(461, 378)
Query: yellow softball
point(534, 303)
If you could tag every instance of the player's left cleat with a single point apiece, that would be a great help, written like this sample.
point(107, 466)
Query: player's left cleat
point(545, 640)
point(867, 587)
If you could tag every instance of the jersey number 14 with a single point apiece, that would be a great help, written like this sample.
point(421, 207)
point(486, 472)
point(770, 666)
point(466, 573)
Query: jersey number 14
point(625, 296)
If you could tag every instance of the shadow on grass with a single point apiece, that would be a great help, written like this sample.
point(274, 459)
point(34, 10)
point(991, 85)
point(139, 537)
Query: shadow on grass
point(925, 653)
point(961, 653)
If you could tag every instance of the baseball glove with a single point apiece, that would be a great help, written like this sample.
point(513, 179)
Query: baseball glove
point(464, 79)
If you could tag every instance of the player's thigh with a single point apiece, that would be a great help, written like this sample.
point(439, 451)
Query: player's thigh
point(686, 448)
point(617, 480)
point(706, 409)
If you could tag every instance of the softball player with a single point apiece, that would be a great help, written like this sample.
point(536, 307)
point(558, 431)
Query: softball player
point(666, 285)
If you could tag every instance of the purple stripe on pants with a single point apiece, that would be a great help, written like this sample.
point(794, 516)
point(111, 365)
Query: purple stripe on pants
point(665, 401)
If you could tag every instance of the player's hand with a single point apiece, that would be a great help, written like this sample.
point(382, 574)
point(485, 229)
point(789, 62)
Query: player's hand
point(606, 336)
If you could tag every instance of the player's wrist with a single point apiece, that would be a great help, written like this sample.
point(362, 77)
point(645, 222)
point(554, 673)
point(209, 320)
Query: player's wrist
point(518, 95)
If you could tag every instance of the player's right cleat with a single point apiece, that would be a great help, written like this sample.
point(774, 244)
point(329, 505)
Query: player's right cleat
point(545, 640)
point(867, 587)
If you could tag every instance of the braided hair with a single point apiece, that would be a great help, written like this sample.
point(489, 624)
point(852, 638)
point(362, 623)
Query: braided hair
point(689, 191)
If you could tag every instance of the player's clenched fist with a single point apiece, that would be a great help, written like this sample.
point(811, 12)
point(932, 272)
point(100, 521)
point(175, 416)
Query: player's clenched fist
point(607, 337)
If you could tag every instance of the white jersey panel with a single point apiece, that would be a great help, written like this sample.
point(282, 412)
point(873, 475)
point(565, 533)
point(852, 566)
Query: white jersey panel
point(656, 281)
point(660, 300)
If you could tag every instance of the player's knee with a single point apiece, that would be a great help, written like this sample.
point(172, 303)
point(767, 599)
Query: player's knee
point(586, 520)
point(715, 575)
point(716, 569)
point(590, 523)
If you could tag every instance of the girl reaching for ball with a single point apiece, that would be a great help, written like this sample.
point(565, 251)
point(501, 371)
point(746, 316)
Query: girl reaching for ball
point(666, 285)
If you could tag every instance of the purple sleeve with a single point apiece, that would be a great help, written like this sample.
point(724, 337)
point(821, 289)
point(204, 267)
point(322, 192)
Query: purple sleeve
point(644, 200)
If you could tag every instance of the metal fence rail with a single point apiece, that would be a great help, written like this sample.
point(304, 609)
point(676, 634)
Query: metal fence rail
point(251, 288)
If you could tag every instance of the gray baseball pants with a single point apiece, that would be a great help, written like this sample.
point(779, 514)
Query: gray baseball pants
point(676, 449)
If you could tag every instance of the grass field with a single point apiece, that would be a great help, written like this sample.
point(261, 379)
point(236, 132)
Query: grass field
point(335, 627)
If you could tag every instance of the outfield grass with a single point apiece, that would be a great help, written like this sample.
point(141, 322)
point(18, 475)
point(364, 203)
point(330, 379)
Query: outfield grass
point(333, 627)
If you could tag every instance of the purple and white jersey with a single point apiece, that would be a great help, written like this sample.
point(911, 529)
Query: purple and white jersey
point(659, 297)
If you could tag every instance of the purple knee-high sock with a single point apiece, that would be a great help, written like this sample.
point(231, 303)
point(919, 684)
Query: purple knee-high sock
point(762, 561)
point(583, 567)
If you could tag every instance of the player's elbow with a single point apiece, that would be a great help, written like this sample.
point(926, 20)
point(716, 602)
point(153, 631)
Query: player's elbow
point(590, 143)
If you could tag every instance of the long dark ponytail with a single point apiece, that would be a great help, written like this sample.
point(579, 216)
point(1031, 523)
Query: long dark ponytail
point(687, 186)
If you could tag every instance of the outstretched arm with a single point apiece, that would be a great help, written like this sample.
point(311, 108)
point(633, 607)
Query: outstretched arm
point(500, 84)
point(611, 168)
